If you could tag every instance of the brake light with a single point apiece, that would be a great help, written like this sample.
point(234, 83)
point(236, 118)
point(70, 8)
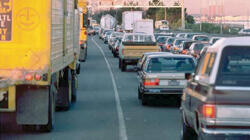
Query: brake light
point(28, 77)
point(122, 52)
point(38, 77)
point(153, 82)
point(81, 41)
point(184, 52)
point(168, 47)
point(85, 33)
point(209, 111)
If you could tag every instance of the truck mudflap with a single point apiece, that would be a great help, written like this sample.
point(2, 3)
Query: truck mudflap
point(32, 105)
point(7, 99)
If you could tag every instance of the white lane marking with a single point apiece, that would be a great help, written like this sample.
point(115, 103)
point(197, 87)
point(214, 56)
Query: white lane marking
point(122, 125)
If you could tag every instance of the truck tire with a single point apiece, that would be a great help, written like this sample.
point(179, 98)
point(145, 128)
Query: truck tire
point(51, 118)
point(123, 66)
point(65, 91)
point(74, 86)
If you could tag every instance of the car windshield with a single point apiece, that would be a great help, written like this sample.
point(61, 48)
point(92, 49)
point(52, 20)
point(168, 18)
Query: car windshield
point(198, 47)
point(235, 67)
point(162, 39)
point(170, 40)
point(187, 45)
point(178, 42)
point(202, 38)
point(170, 65)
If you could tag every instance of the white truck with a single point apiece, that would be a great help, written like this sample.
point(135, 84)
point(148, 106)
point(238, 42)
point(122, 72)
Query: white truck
point(129, 18)
point(107, 22)
point(144, 26)
point(162, 25)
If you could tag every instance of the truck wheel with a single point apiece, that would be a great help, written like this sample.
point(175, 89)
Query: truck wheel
point(74, 87)
point(187, 133)
point(123, 66)
point(51, 117)
point(144, 99)
point(139, 93)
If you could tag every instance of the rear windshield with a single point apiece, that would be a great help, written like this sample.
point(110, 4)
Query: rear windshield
point(162, 39)
point(202, 38)
point(187, 45)
point(235, 67)
point(178, 42)
point(170, 40)
point(198, 47)
point(170, 65)
point(139, 38)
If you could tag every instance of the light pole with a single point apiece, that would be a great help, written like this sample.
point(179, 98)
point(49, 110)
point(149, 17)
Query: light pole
point(182, 14)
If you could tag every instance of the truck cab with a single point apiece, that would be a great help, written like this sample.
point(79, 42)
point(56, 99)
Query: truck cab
point(216, 101)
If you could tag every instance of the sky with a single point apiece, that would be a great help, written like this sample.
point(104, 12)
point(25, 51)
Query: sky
point(232, 7)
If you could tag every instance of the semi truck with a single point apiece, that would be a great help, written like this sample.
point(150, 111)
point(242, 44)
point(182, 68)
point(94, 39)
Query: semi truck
point(162, 25)
point(129, 18)
point(38, 60)
point(82, 4)
point(144, 26)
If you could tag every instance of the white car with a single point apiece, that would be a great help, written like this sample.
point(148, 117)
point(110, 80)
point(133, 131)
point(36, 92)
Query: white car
point(244, 32)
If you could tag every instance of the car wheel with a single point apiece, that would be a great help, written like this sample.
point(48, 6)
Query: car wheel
point(187, 133)
point(139, 93)
point(144, 99)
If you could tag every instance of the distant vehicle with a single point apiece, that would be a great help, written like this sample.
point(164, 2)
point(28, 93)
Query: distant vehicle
point(163, 34)
point(93, 22)
point(215, 103)
point(182, 35)
point(176, 45)
point(190, 35)
point(129, 18)
point(108, 22)
point(201, 38)
point(169, 44)
point(161, 40)
point(106, 36)
point(162, 25)
point(115, 48)
point(244, 32)
point(97, 29)
point(196, 48)
point(144, 26)
point(164, 75)
point(91, 31)
point(113, 37)
point(103, 31)
point(134, 45)
point(184, 46)
point(214, 40)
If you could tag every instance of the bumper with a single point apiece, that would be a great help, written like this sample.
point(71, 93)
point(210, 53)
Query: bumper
point(131, 61)
point(163, 91)
point(225, 133)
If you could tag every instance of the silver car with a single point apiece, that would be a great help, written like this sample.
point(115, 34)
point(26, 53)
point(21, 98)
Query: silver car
point(164, 74)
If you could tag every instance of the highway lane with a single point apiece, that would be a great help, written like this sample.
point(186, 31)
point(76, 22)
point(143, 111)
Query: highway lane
point(95, 116)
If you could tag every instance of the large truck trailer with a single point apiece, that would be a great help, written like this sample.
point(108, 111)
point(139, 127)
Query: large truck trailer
point(38, 59)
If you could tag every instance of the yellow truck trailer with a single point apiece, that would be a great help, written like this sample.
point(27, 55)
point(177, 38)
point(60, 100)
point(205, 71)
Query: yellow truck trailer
point(39, 42)
point(83, 30)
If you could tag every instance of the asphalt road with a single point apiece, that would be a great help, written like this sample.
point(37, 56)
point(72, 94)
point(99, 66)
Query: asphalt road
point(107, 107)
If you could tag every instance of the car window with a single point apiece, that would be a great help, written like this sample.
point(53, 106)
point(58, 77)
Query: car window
point(234, 67)
point(171, 65)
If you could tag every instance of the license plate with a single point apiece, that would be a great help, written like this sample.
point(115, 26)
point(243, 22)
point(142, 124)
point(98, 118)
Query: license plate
point(173, 83)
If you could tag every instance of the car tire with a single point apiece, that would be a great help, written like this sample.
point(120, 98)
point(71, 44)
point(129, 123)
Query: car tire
point(187, 133)
point(144, 99)
point(139, 94)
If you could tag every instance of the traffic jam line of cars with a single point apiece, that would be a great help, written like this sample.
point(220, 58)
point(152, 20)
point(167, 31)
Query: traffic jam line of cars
point(210, 75)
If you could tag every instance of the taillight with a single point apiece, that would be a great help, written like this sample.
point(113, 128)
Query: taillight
point(153, 82)
point(81, 41)
point(168, 47)
point(85, 33)
point(38, 77)
point(28, 77)
point(184, 52)
point(209, 111)
point(122, 52)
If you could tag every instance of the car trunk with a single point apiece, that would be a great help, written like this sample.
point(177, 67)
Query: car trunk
point(232, 107)
point(168, 80)
point(136, 51)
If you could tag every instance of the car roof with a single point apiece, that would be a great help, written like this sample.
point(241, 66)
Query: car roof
point(156, 53)
point(171, 55)
point(235, 41)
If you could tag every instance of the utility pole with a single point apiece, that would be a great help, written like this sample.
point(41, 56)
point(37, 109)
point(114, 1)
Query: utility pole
point(182, 14)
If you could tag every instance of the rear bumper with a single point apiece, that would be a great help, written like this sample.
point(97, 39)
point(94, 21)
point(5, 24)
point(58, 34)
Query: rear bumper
point(161, 91)
point(208, 134)
point(131, 61)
